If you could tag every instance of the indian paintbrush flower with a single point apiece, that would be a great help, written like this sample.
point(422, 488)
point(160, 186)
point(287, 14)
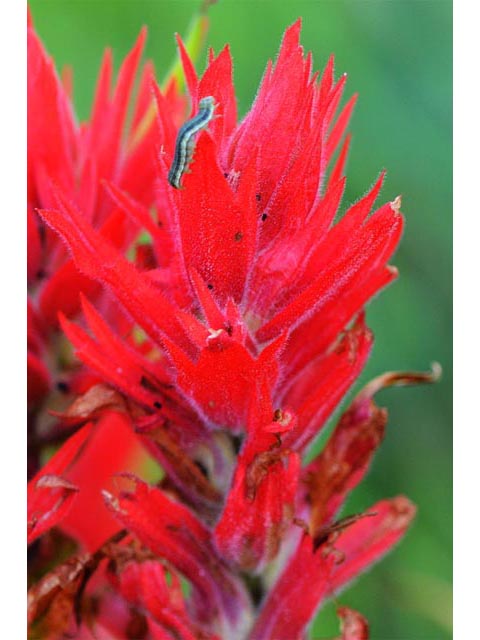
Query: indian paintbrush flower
point(221, 325)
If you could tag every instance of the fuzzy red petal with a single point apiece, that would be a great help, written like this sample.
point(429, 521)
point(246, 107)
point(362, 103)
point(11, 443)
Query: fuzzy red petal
point(217, 81)
point(369, 539)
point(338, 170)
point(340, 127)
point(61, 293)
point(50, 122)
point(127, 375)
point(189, 72)
point(344, 461)
point(311, 576)
point(104, 136)
point(260, 502)
point(217, 232)
point(218, 383)
point(114, 448)
point(145, 586)
point(99, 260)
point(170, 530)
point(314, 402)
point(50, 494)
point(366, 249)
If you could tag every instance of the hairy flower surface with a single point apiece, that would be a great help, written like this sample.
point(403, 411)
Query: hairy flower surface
point(77, 158)
point(221, 325)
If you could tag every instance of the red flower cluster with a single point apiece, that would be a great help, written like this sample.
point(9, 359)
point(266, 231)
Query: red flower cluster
point(217, 327)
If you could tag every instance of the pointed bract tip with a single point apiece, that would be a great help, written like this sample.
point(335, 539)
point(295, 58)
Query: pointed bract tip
point(111, 501)
point(142, 36)
point(437, 371)
point(292, 32)
point(403, 511)
point(399, 379)
point(84, 301)
point(139, 42)
point(225, 50)
point(50, 481)
point(62, 320)
point(396, 204)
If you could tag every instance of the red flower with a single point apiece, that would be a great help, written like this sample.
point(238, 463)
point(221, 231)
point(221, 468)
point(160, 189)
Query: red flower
point(49, 494)
point(145, 585)
point(170, 530)
point(78, 158)
point(250, 301)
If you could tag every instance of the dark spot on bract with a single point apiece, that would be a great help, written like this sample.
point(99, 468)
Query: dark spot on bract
point(146, 384)
point(238, 236)
point(225, 175)
point(157, 405)
point(258, 197)
point(210, 286)
point(264, 216)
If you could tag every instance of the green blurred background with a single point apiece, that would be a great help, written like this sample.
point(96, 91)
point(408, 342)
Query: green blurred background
point(398, 57)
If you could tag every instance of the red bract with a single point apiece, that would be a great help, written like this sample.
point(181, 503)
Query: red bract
point(78, 158)
point(49, 494)
point(144, 584)
point(219, 598)
point(228, 340)
point(112, 448)
point(312, 575)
